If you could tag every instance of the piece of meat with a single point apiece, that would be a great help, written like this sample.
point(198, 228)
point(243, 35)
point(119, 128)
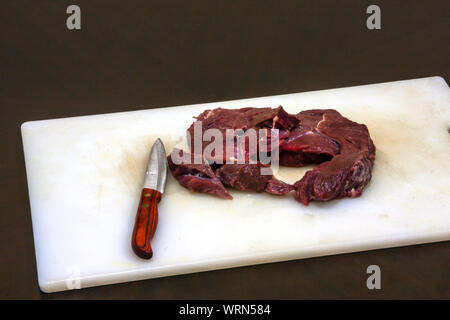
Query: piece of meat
point(241, 119)
point(306, 145)
point(343, 150)
point(249, 177)
point(349, 171)
point(243, 177)
point(246, 118)
point(196, 177)
point(278, 187)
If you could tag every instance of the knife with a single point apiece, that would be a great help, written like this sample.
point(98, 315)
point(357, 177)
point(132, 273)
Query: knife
point(147, 214)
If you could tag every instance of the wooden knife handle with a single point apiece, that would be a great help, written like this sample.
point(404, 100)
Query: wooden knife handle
point(145, 224)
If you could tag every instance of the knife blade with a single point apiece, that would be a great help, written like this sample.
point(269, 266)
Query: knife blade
point(147, 214)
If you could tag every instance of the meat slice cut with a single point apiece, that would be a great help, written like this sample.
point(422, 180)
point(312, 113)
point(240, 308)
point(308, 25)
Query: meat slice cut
point(197, 177)
point(243, 177)
point(246, 118)
point(278, 187)
point(305, 144)
point(202, 178)
point(242, 119)
point(249, 177)
point(349, 171)
point(342, 148)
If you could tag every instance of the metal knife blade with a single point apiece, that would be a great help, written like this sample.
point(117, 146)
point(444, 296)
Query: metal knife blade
point(156, 174)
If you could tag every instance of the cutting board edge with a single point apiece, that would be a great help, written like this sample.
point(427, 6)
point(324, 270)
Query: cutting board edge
point(246, 260)
point(28, 124)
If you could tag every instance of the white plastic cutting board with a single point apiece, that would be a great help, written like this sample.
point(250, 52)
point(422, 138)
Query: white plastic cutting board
point(85, 176)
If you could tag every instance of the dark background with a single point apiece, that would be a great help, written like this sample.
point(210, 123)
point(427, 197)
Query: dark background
point(133, 55)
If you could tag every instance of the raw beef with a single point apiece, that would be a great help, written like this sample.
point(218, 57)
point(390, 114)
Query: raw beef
point(202, 178)
point(249, 177)
point(241, 119)
point(197, 177)
point(343, 150)
point(305, 144)
point(349, 170)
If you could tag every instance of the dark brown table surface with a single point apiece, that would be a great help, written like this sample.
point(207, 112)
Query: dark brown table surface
point(133, 55)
